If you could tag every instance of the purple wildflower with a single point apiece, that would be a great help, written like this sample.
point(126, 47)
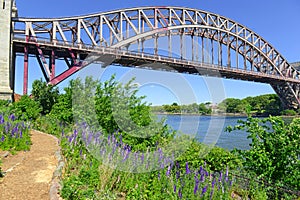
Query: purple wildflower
point(108, 139)
point(213, 183)
point(7, 127)
point(142, 157)
point(12, 117)
point(1, 119)
point(14, 130)
point(177, 174)
point(187, 170)
point(127, 152)
point(206, 173)
point(90, 137)
point(196, 186)
point(221, 176)
point(21, 134)
point(177, 165)
point(180, 193)
point(2, 138)
point(160, 155)
point(202, 178)
point(168, 171)
point(174, 188)
point(200, 170)
point(70, 139)
point(204, 189)
point(162, 165)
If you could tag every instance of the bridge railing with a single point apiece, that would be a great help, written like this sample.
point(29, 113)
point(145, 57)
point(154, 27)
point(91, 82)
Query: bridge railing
point(143, 55)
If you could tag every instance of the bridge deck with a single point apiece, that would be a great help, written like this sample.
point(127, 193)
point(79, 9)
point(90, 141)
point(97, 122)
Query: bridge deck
point(90, 54)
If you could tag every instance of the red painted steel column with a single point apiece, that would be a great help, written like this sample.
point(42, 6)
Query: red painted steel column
point(52, 76)
point(25, 77)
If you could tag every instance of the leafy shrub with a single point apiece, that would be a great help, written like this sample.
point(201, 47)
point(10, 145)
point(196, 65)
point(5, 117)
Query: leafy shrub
point(289, 112)
point(26, 109)
point(62, 109)
point(275, 151)
point(4, 106)
point(214, 158)
point(45, 94)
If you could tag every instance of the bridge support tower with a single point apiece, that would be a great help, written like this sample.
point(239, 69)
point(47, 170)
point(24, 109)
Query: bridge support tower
point(7, 58)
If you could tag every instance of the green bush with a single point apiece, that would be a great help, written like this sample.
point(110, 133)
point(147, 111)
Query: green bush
point(4, 106)
point(274, 153)
point(214, 158)
point(289, 112)
point(45, 94)
point(26, 109)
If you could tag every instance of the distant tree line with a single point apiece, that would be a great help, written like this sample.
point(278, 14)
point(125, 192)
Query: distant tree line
point(268, 104)
point(263, 105)
point(202, 108)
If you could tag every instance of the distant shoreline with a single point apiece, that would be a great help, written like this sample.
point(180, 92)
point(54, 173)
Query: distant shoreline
point(198, 114)
point(223, 114)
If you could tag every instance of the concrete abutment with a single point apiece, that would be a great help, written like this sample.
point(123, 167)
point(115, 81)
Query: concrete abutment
point(7, 11)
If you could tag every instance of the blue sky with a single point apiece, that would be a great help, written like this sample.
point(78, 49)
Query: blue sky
point(275, 21)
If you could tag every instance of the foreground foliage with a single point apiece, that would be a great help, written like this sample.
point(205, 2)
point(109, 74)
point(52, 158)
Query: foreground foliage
point(115, 133)
point(113, 170)
point(14, 134)
point(274, 153)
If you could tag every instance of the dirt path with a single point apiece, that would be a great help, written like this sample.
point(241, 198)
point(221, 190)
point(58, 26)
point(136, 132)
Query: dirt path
point(29, 173)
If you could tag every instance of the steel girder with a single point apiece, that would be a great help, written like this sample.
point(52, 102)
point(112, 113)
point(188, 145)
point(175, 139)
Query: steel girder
point(135, 26)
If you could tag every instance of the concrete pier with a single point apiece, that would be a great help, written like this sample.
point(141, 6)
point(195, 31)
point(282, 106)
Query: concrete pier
point(7, 11)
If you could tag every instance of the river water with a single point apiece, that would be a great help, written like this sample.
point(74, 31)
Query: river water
point(210, 129)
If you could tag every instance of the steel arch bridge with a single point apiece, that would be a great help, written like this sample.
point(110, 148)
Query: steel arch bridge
point(176, 39)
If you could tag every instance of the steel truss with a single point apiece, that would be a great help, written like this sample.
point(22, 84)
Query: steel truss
point(204, 43)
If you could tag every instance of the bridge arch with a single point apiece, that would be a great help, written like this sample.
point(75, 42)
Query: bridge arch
point(119, 29)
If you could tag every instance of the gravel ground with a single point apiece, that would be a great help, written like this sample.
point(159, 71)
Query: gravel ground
point(29, 174)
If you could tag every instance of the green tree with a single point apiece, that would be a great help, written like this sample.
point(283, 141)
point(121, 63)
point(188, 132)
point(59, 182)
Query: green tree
point(119, 109)
point(46, 95)
point(204, 109)
point(77, 103)
point(268, 104)
point(231, 105)
point(174, 108)
point(62, 109)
